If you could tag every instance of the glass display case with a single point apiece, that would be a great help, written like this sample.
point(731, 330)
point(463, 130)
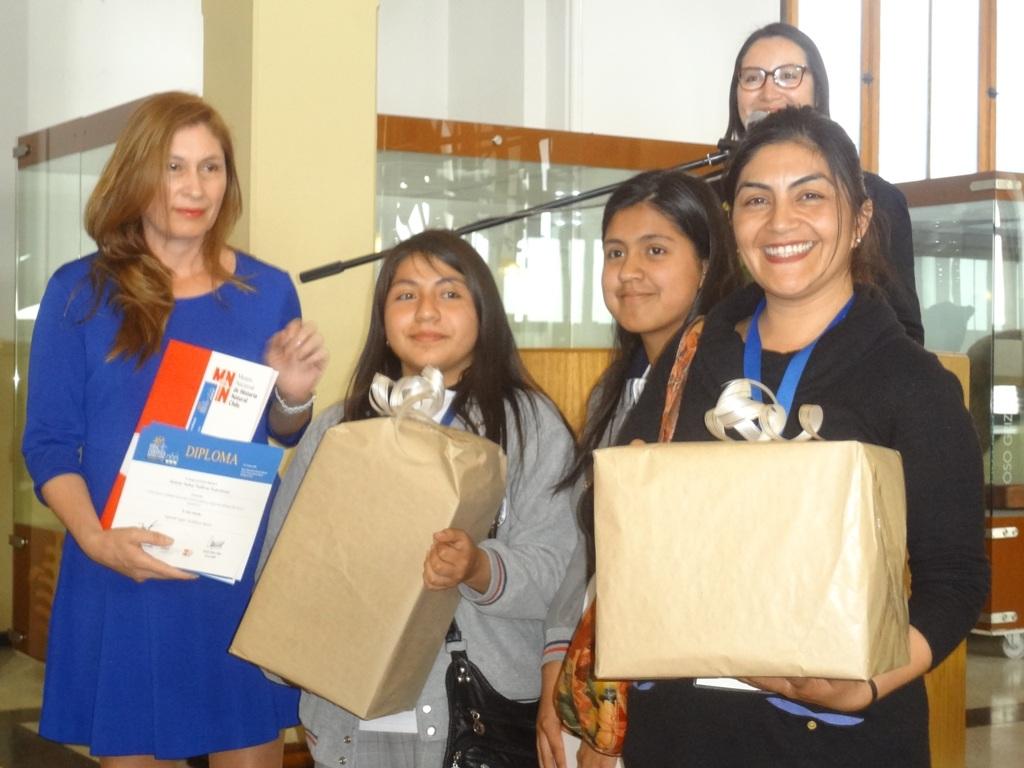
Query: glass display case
point(51, 196)
point(547, 267)
point(968, 261)
point(444, 173)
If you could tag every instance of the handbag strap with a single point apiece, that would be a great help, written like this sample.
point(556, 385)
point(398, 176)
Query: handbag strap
point(454, 633)
point(454, 642)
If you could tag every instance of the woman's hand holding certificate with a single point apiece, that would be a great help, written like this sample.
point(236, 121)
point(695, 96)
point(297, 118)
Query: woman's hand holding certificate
point(207, 493)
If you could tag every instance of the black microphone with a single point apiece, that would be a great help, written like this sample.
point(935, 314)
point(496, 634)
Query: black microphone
point(333, 268)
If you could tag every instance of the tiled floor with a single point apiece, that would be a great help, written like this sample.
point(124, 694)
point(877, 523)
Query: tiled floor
point(21, 685)
point(995, 705)
point(995, 712)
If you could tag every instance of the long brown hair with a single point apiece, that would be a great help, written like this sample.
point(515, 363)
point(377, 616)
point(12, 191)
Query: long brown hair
point(126, 273)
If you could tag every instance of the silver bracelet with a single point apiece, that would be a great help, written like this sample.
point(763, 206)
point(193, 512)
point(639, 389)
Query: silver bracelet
point(293, 410)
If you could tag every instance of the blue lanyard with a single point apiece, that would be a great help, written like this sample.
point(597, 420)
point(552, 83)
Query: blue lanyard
point(449, 416)
point(795, 369)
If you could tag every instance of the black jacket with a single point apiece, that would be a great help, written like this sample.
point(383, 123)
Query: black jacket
point(897, 243)
point(877, 386)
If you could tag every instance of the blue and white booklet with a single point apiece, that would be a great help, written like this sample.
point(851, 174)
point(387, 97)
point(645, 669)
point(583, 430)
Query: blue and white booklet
point(207, 493)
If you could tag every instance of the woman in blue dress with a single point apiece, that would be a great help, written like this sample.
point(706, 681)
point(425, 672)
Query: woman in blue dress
point(137, 665)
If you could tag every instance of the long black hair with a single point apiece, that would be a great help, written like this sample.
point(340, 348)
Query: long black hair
point(494, 377)
point(806, 126)
point(694, 209)
point(815, 65)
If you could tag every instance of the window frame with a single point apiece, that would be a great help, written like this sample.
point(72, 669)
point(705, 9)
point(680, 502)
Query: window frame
point(789, 12)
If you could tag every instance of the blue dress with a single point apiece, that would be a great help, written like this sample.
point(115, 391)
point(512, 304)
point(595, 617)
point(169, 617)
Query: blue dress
point(142, 668)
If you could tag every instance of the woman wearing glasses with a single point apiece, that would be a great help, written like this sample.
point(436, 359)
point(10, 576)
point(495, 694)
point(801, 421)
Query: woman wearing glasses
point(779, 66)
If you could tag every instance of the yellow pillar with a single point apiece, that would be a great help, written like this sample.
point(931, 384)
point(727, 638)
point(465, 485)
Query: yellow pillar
point(297, 84)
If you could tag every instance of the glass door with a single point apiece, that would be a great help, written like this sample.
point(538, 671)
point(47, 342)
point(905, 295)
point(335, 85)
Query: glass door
point(51, 195)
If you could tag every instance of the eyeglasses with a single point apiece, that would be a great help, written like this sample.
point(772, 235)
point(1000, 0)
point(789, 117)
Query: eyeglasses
point(786, 76)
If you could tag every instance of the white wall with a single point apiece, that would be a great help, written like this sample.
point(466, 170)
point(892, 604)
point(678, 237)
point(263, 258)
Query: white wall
point(412, 57)
point(648, 68)
point(661, 68)
point(84, 56)
point(486, 59)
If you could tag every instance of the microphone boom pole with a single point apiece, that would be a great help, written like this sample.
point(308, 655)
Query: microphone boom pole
point(326, 270)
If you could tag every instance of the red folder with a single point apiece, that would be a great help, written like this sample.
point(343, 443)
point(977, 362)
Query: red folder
point(177, 385)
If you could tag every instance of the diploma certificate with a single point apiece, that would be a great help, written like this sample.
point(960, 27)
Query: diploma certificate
point(207, 493)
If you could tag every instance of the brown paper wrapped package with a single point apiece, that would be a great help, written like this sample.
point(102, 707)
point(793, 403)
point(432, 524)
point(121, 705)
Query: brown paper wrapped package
point(340, 608)
point(737, 559)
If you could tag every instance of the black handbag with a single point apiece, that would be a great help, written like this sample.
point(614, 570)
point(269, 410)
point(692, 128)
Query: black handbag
point(485, 729)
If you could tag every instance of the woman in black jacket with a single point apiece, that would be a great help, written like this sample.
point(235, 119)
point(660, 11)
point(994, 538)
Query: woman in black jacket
point(804, 227)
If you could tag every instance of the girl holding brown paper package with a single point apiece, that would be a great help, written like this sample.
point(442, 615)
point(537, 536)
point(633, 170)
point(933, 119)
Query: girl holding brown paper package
point(667, 260)
point(803, 226)
point(436, 304)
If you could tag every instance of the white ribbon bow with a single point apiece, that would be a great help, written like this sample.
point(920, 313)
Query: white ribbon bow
point(758, 421)
point(417, 396)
